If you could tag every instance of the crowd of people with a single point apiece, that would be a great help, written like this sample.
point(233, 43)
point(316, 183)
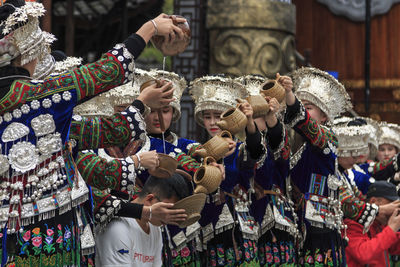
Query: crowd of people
point(301, 184)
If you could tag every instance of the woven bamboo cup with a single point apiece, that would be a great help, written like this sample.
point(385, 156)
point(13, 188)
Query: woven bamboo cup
point(273, 89)
point(233, 120)
point(259, 104)
point(207, 178)
point(216, 147)
point(193, 205)
point(166, 168)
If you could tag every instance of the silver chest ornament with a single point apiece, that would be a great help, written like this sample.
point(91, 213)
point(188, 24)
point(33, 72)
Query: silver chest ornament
point(43, 124)
point(23, 156)
point(14, 131)
point(333, 182)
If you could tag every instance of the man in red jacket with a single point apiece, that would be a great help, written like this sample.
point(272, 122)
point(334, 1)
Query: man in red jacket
point(373, 247)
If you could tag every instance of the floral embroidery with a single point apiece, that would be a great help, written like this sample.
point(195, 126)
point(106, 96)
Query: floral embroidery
point(24, 245)
point(281, 253)
point(49, 246)
point(220, 255)
point(67, 238)
point(185, 252)
point(27, 236)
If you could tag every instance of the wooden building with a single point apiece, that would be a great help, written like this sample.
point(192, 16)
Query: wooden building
point(337, 43)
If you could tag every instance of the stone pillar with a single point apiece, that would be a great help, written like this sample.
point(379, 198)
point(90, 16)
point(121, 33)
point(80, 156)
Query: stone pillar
point(251, 37)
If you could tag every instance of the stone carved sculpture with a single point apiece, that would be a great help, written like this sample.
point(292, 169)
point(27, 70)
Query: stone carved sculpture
point(251, 37)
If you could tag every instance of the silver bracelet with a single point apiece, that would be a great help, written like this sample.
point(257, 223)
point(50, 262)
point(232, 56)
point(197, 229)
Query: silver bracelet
point(150, 214)
point(155, 27)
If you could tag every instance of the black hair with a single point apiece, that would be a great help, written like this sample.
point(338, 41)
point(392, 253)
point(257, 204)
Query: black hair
point(58, 55)
point(163, 188)
point(357, 122)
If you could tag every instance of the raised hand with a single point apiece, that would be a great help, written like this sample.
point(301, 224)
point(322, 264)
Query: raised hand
point(274, 106)
point(162, 211)
point(155, 97)
point(285, 81)
point(162, 25)
point(287, 84)
point(148, 160)
point(165, 27)
point(247, 109)
point(394, 220)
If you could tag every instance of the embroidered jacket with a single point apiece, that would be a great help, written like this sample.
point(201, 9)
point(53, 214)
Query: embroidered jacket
point(271, 180)
point(217, 215)
point(313, 171)
point(120, 175)
point(38, 174)
point(313, 164)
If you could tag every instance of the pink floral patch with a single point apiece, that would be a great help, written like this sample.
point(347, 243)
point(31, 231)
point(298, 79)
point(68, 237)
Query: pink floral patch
point(37, 241)
point(27, 236)
point(59, 240)
point(185, 252)
point(277, 259)
point(50, 232)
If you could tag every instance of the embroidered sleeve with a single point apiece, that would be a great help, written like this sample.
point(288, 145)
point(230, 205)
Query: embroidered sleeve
point(111, 70)
point(187, 163)
point(105, 205)
point(356, 209)
point(191, 148)
point(114, 68)
point(384, 170)
point(119, 130)
point(118, 174)
point(318, 135)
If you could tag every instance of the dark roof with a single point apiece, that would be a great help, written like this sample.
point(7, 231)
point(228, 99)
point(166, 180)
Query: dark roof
point(90, 9)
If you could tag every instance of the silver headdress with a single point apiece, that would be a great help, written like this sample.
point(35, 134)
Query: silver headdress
point(179, 84)
point(67, 64)
point(23, 35)
point(103, 104)
point(389, 134)
point(47, 64)
point(373, 136)
point(372, 126)
point(215, 93)
point(353, 140)
point(252, 83)
point(322, 90)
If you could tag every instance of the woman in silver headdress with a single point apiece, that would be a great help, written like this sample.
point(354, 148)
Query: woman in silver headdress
point(41, 190)
point(229, 231)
